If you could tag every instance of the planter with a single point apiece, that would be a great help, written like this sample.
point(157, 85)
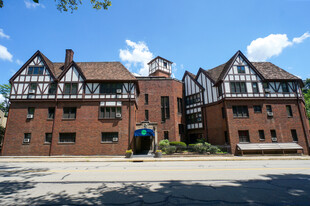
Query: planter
point(158, 154)
point(128, 155)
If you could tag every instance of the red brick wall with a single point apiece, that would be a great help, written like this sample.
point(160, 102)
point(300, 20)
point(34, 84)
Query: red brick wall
point(156, 88)
point(87, 127)
point(216, 125)
point(259, 121)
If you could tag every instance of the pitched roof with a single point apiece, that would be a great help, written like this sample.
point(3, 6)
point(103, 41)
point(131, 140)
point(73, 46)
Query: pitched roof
point(191, 74)
point(267, 70)
point(273, 72)
point(99, 70)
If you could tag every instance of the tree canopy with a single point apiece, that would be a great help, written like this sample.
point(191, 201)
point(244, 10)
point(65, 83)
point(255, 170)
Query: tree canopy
point(306, 91)
point(5, 90)
point(72, 5)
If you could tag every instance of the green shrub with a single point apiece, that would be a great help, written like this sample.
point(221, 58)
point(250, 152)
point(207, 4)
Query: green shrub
point(200, 148)
point(213, 149)
point(190, 147)
point(180, 146)
point(163, 143)
point(170, 149)
point(200, 140)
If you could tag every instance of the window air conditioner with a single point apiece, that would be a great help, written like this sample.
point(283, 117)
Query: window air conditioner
point(31, 91)
point(115, 139)
point(26, 140)
point(267, 90)
point(270, 114)
point(29, 116)
point(274, 139)
point(118, 91)
point(118, 115)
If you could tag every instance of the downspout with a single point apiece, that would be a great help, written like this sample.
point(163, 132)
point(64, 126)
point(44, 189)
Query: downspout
point(50, 150)
point(129, 123)
point(302, 121)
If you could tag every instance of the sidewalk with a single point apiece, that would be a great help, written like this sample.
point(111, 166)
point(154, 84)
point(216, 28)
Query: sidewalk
point(4, 159)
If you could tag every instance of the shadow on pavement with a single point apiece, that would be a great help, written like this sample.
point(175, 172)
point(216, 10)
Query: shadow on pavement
point(287, 189)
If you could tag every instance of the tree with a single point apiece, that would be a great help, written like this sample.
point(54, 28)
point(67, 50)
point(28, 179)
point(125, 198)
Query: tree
point(307, 86)
point(65, 5)
point(5, 91)
point(2, 131)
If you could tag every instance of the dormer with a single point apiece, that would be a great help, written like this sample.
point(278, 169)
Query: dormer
point(160, 67)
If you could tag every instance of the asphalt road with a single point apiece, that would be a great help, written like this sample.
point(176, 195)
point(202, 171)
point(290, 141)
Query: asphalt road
point(276, 182)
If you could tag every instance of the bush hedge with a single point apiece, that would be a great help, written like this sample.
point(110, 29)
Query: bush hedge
point(170, 149)
point(180, 146)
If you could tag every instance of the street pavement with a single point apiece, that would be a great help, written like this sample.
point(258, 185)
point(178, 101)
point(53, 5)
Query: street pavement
point(263, 182)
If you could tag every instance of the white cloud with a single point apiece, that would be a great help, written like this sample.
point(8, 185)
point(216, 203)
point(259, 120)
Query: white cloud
point(19, 62)
point(1, 98)
point(298, 40)
point(262, 49)
point(136, 55)
point(5, 54)
point(31, 5)
point(3, 35)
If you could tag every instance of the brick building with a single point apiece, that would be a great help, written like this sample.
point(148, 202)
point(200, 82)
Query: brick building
point(247, 105)
point(89, 108)
point(100, 108)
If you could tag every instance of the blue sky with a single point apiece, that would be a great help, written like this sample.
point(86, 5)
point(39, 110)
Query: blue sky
point(193, 34)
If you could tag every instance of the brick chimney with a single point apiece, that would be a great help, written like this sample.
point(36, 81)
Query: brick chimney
point(69, 57)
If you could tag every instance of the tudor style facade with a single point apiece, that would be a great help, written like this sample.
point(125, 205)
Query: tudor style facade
point(100, 108)
point(247, 102)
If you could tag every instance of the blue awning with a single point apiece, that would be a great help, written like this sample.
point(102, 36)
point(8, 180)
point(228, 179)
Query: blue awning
point(144, 132)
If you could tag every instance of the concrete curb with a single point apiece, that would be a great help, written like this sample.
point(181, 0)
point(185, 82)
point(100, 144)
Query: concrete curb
point(144, 159)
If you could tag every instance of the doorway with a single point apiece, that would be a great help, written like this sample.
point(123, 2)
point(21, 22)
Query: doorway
point(143, 145)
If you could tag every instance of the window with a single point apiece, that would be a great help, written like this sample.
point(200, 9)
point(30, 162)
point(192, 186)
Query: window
point(226, 137)
point(35, 70)
point(255, 87)
point(180, 106)
point(109, 112)
point(181, 128)
point(27, 137)
point(69, 113)
point(268, 108)
point(193, 99)
point(241, 69)
point(223, 113)
point(273, 135)
point(31, 110)
point(51, 113)
point(146, 112)
point(238, 87)
point(294, 135)
point(109, 137)
point(284, 87)
point(266, 85)
point(165, 64)
point(52, 88)
point(244, 136)
point(193, 118)
point(257, 109)
point(220, 90)
point(67, 137)
point(261, 134)
point(289, 111)
point(71, 88)
point(240, 111)
point(166, 135)
point(48, 138)
point(33, 87)
point(110, 88)
point(165, 110)
point(146, 97)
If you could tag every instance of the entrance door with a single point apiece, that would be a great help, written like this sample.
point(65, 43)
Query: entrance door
point(143, 144)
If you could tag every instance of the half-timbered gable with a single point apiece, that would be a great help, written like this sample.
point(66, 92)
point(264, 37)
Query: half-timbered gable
point(210, 90)
point(70, 84)
point(34, 80)
point(193, 92)
point(241, 79)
